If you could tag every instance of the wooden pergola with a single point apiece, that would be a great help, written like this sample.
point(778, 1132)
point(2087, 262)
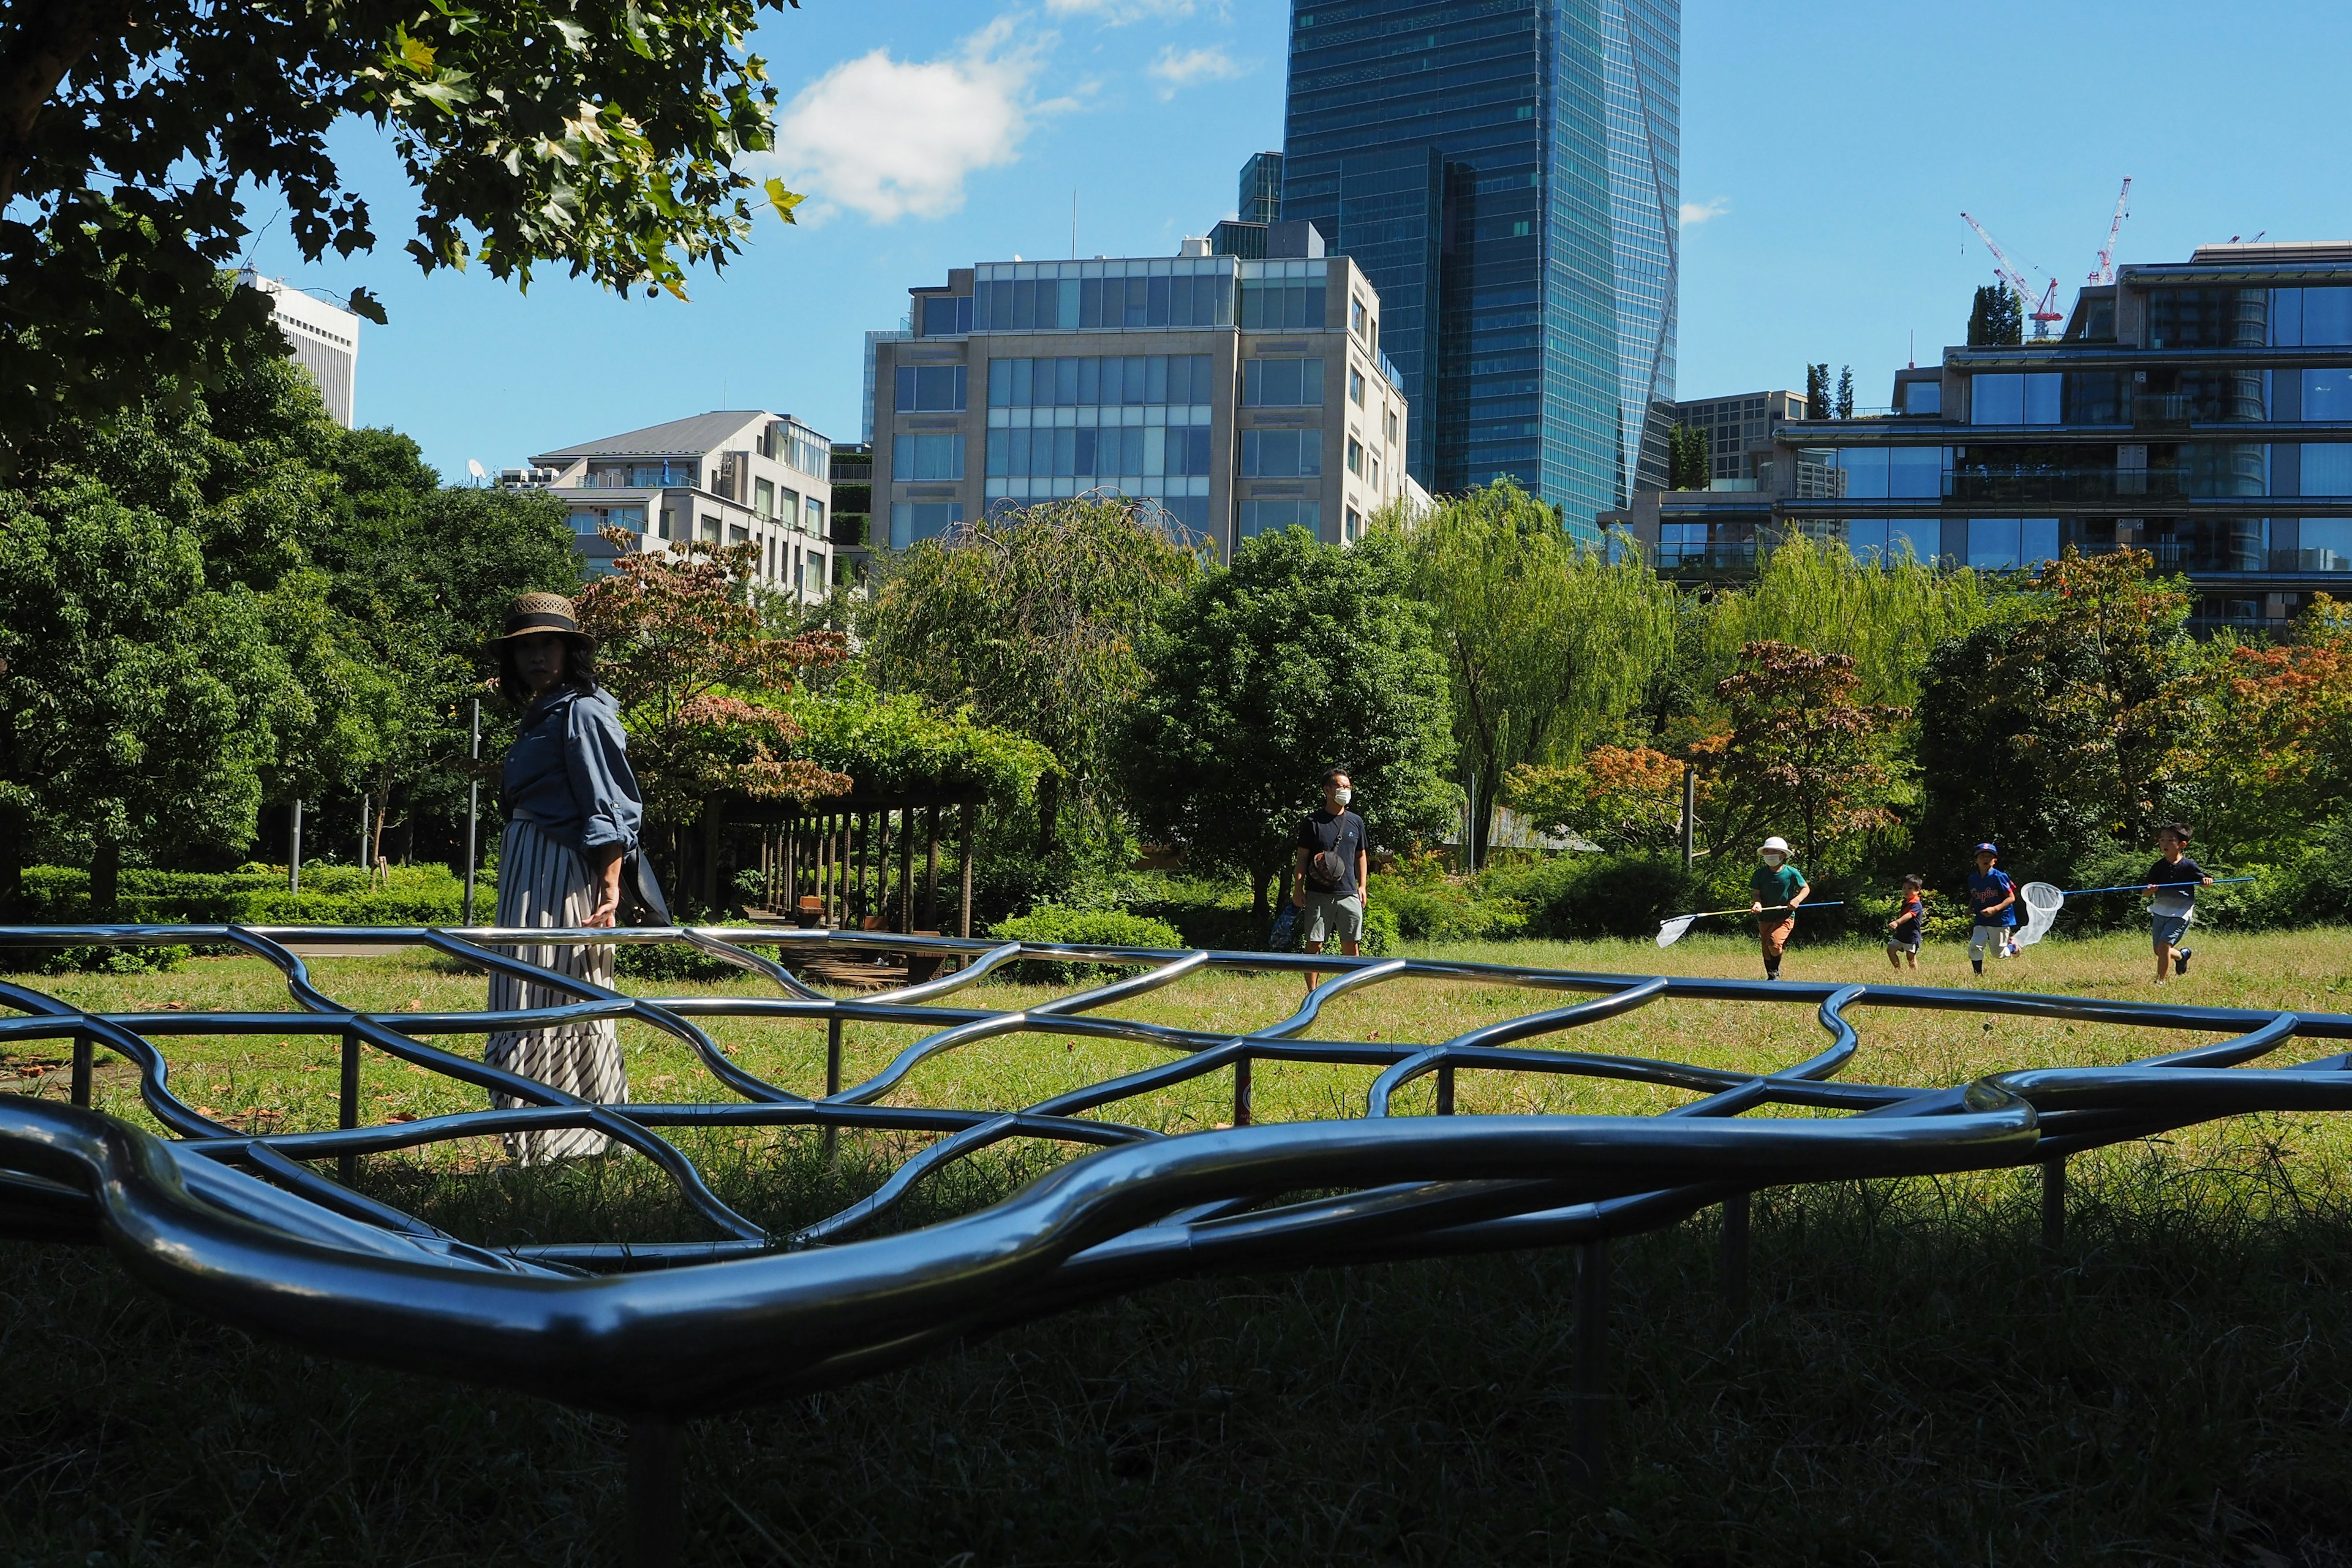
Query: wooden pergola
point(855, 855)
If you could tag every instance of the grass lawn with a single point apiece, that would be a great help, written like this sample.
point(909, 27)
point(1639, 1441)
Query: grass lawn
point(1910, 1382)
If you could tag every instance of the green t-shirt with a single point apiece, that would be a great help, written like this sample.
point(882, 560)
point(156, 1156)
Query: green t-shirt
point(1776, 887)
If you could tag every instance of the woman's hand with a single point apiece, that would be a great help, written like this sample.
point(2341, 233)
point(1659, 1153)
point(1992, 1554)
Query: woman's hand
point(604, 870)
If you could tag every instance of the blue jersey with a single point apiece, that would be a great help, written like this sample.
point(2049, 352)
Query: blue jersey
point(1987, 889)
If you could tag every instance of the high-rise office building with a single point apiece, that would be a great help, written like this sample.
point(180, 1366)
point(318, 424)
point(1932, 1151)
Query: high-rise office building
point(1508, 176)
point(325, 339)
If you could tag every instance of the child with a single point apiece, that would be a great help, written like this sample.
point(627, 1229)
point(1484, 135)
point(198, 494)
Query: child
point(1780, 888)
point(2172, 884)
point(1993, 896)
point(1903, 931)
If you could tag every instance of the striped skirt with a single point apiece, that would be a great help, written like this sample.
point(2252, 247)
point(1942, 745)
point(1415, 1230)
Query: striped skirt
point(543, 883)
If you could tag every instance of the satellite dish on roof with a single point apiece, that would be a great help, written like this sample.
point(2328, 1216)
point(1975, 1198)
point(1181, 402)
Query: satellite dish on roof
point(473, 467)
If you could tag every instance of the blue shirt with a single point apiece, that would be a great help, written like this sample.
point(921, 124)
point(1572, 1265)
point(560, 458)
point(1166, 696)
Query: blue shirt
point(568, 771)
point(1990, 888)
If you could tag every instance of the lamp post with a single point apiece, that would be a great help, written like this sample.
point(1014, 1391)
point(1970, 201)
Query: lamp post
point(294, 851)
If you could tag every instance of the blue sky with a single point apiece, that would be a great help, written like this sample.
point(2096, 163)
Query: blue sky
point(1827, 153)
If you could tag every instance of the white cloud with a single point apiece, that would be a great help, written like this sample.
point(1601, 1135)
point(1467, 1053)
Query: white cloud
point(1118, 13)
point(1698, 213)
point(892, 138)
point(1177, 69)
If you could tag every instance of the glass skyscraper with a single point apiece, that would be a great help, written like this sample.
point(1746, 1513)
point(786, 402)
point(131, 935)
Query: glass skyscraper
point(1508, 174)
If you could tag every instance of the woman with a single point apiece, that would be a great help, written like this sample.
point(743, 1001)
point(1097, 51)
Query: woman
point(572, 809)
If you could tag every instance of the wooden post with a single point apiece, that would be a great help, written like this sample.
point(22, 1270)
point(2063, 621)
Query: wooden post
point(347, 1110)
point(906, 868)
point(1589, 1413)
point(1735, 1253)
point(963, 901)
point(657, 1496)
point(931, 869)
point(825, 868)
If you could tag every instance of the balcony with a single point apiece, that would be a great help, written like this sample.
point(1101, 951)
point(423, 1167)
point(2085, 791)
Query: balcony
point(2030, 487)
point(1706, 557)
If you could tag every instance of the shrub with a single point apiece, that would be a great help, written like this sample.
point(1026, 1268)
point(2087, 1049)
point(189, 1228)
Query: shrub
point(256, 895)
point(1442, 910)
point(95, 960)
point(1082, 928)
point(670, 960)
point(1594, 895)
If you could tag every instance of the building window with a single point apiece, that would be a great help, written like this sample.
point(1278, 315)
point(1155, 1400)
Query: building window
point(2011, 544)
point(1881, 539)
point(2327, 470)
point(1285, 305)
point(1355, 524)
point(1110, 304)
point(1085, 380)
point(2328, 394)
point(947, 316)
point(1282, 454)
point(1521, 229)
point(911, 521)
point(816, 515)
point(709, 532)
point(669, 523)
point(589, 521)
point(1389, 424)
point(1283, 384)
point(926, 457)
point(2008, 398)
point(737, 535)
point(1359, 319)
point(1923, 397)
point(930, 388)
point(764, 498)
point(1258, 517)
point(1127, 454)
point(1881, 473)
point(1355, 386)
point(2326, 544)
point(1355, 456)
point(1373, 464)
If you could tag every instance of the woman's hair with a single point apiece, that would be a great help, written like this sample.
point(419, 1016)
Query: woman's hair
point(579, 672)
point(1915, 880)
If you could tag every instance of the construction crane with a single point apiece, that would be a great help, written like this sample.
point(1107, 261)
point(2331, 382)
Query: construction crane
point(2042, 313)
point(2104, 273)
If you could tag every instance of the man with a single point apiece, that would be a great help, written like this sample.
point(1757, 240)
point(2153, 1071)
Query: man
point(1993, 896)
point(1780, 888)
point(1333, 870)
point(2172, 884)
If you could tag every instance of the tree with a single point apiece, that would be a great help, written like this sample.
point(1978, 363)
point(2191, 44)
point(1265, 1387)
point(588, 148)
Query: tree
point(1547, 644)
point(1816, 391)
point(1846, 392)
point(137, 707)
point(1621, 797)
point(2070, 725)
point(1032, 618)
point(1799, 743)
point(1302, 656)
point(682, 650)
point(1688, 463)
point(1995, 317)
point(601, 138)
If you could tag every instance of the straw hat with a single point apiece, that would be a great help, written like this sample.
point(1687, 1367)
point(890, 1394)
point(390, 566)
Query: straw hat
point(533, 613)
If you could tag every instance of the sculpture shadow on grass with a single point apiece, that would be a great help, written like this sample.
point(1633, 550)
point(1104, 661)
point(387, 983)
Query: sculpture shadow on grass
point(247, 1226)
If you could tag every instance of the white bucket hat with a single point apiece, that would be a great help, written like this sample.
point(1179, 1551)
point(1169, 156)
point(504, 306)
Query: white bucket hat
point(1776, 843)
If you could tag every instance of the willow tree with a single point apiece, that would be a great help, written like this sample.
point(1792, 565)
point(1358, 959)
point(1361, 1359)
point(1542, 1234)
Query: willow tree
point(1548, 642)
point(1883, 613)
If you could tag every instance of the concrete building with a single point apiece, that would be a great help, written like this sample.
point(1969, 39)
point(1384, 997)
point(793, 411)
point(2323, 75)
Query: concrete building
point(1508, 176)
point(325, 339)
point(1239, 394)
point(725, 478)
point(2197, 410)
point(1739, 431)
point(853, 508)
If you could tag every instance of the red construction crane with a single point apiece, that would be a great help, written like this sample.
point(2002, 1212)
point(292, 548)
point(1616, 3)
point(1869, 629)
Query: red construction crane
point(2104, 273)
point(2042, 313)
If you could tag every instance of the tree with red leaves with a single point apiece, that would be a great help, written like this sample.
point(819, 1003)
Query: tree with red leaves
point(1801, 746)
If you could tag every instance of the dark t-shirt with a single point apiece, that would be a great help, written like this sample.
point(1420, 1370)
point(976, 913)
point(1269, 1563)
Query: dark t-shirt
point(1343, 835)
point(2179, 879)
point(1988, 888)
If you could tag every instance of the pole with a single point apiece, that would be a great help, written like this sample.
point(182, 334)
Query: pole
point(367, 804)
point(347, 1108)
point(294, 851)
point(1690, 815)
point(964, 858)
point(473, 811)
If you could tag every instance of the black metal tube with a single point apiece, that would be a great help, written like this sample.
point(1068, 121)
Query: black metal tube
point(347, 1112)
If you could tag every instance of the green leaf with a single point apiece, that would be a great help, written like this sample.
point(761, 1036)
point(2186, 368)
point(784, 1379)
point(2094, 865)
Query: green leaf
point(783, 200)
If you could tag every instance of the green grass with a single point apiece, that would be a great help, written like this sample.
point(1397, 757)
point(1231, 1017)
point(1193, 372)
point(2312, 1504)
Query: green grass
point(1911, 1383)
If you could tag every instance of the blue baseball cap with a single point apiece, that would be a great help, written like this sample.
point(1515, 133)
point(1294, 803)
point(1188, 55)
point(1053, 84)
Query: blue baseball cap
point(1987, 849)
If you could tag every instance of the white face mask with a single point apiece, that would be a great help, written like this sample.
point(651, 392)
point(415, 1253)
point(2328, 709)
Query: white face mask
point(1773, 857)
point(1343, 796)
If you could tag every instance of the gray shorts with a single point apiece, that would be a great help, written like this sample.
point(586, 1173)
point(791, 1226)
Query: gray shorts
point(1995, 938)
point(1329, 915)
point(2169, 929)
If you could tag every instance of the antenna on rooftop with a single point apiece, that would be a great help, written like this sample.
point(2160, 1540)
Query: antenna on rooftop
point(473, 467)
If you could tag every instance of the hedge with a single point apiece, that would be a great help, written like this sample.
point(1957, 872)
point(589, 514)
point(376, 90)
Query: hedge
point(256, 895)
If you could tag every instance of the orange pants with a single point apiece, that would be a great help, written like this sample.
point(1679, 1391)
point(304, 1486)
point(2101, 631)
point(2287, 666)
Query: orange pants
point(1773, 931)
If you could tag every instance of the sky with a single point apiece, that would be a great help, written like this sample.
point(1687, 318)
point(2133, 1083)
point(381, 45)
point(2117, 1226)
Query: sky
point(1828, 151)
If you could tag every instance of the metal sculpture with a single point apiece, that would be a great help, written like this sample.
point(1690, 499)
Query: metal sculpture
point(240, 1224)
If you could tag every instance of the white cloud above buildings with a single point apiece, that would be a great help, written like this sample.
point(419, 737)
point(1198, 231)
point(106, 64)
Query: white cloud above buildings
point(1179, 69)
point(890, 139)
point(1118, 13)
point(1697, 213)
